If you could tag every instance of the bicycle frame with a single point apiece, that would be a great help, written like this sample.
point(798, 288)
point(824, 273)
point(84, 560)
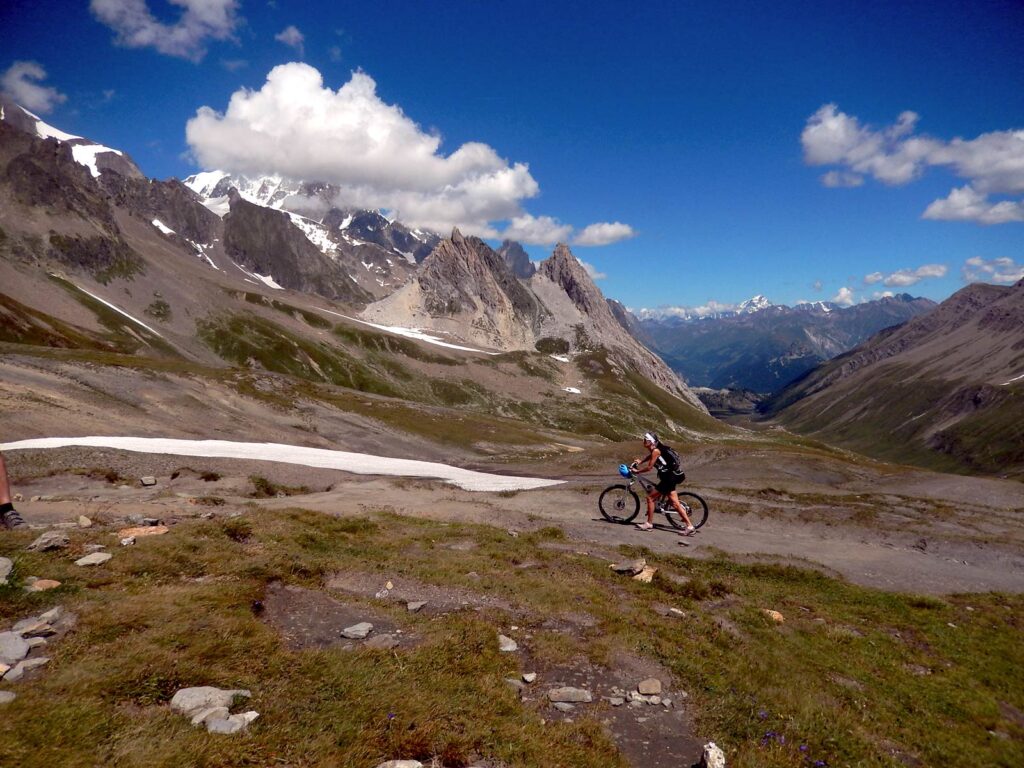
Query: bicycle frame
point(663, 503)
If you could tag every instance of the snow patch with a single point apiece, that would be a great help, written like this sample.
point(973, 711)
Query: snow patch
point(163, 227)
point(316, 233)
point(412, 333)
point(85, 154)
point(47, 131)
point(117, 309)
point(356, 463)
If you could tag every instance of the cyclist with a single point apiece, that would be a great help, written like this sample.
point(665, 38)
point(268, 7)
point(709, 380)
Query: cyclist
point(666, 486)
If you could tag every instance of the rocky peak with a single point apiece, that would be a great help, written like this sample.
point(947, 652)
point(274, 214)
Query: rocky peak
point(518, 259)
point(565, 270)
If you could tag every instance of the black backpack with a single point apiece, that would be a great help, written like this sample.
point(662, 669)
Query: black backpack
point(673, 464)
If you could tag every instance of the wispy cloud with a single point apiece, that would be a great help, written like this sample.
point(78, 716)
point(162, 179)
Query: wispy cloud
point(992, 163)
point(604, 233)
point(292, 37)
point(1002, 270)
point(200, 21)
point(22, 82)
point(904, 277)
point(334, 53)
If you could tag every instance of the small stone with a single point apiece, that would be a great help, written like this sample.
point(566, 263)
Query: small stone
point(128, 541)
point(42, 585)
point(18, 497)
point(224, 725)
point(676, 612)
point(713, 756)
point(649, 687)
point(148, 480)
point(84, 522)
point(210, 713)
point(34, 627)
point(22, 667)
point(529, 677)
point(666, 703)
point(401, 764)
point(507, 644)
point(89, 548)
point(189, 701)
point(6, 566)
point(513, 533)
point(357, 631)
point(569, 694)
point(382, 642)
point(636, 703)
point(96, 558)
point(775, 616)
point(49, 540)
point(616, 701)
point(6, 697)
point(654, 700)
point(646, 575)
point(631, 567)
point(52, 615)
point(415, 605)
point(563, 706)
point(35, 498)
point(13, 647)
point(142, 530)
point(35, 642)
point(150, 522)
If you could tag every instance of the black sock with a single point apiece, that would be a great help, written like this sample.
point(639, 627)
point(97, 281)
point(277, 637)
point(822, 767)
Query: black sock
point(5, 508)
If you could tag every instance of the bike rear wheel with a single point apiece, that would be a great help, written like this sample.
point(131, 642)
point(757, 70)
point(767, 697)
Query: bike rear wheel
point(695, 507)
point(618, 504)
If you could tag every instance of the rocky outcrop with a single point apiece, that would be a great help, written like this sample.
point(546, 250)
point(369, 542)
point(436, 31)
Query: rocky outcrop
point(517, 259)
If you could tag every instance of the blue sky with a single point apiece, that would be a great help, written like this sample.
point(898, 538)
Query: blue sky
point(704, 134)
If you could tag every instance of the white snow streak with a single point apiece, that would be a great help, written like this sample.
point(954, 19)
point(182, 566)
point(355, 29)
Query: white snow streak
point(356, 463)
point(162, 227)
point(117, 309)
point(560, 358)
point(1015, 378)
point(268, 280)
point(412, 333)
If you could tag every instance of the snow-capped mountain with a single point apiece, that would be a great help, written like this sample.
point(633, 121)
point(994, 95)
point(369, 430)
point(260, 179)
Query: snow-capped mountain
point(755, 304)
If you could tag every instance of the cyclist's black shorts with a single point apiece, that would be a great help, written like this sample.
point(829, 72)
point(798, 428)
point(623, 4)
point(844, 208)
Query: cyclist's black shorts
point(666, 484)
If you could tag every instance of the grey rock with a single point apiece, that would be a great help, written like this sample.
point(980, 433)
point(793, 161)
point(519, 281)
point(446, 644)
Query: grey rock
point(563, 706)
point(401, 764)
point(6, 566)
point(713, 756)
point(96, 558)
point(49, 540)
point(507, 644)
point(631, 567)
point(150, 521)
point(84, 522)
point(22, 667)
point(36, 642)
point(415, 605)
point(569, 694)
point(90, 548)
point(12, 647)
point(529, 677)
point(53, 615)
point(128, 541)
point(357, 631)
point(382, 642)
point(519, 685)
point(650, 686)
point(148, 480)
point(34, 628)
point(6, 697)
point(232, 723)
point(211, 713)
point(616, 701)
point(189, 701)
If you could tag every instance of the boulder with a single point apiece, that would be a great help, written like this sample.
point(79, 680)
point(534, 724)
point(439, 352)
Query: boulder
point(13, 647)
point(569, 695)
point(357, 631)
point(49, 540)
point(649, 687)
point(96, 558)
point(191, 701)
point(630, 567)
point(713, 756)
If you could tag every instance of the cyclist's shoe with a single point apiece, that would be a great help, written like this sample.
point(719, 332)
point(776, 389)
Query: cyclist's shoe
point(688, 531)
point(645, 526)
point(11, 519)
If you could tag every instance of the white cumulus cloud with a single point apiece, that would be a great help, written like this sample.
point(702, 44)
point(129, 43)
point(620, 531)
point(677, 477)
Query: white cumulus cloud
point(292, 37)
point(844, 298)
point(992, 163)
point(604, 233)
point(200, 21)
point(904, 277)
point(22, 82)
point(296, 127)
point(1002, 270)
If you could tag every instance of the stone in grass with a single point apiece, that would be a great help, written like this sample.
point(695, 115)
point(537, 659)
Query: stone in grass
point(401, 764)
point(190, 701)
point(49, 540)
point(84, 522)
point(713, 756)
point(41, 585)
point(210, 713)
point(507, 644)
point(148, 480)
point(563, 706)
point(13, 647)
point(96, 558)
point(382, 642)
point(631, 567)
point(357, 631)
point(6, 566)
point(232, 723)
point(54, 614)
point(6, 697)
point(415, 605)
point(616, 701)
point(529, 677)
point(649, 687)
point(22, 667)
point(775, 616)
point(569, 695)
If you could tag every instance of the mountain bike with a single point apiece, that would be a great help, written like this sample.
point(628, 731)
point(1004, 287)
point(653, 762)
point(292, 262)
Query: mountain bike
point(619, 503)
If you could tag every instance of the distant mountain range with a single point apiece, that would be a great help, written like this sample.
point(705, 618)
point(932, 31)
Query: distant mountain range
point(761, 346)
point(945, 389)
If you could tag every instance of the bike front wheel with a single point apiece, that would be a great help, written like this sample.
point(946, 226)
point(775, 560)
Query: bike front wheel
point(695, 507)
point(618, 504)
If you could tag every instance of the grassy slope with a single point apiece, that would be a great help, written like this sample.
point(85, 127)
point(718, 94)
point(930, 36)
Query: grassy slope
point(853, 677)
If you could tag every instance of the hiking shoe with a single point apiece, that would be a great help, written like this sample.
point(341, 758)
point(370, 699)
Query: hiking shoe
point(11, 519)
point(645, 526)
point(688, 531)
